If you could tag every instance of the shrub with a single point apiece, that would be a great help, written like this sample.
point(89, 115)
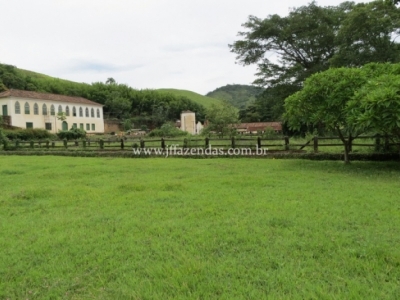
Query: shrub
point(72, 134)
point(168, 129)
point(28, 134)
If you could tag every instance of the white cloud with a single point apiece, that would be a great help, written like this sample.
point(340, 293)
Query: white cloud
point(144, 43)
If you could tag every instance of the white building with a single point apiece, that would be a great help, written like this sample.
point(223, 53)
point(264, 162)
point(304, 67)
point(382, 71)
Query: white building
point(188, 121)
point(27, 109)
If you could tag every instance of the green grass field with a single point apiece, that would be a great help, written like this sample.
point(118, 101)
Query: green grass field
point(199, 99)
point(93, 228)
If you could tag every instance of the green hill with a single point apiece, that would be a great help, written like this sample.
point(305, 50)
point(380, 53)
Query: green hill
point(199, 99)
point(237, 94)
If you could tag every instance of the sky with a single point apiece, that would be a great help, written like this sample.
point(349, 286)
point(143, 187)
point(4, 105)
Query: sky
point(146, 44)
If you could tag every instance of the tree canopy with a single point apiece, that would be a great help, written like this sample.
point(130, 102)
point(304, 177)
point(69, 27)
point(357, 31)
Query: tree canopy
point(311, 39)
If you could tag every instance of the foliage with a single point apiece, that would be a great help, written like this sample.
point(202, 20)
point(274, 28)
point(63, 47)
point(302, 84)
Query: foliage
point(72, 134)
point(220, 119)
point(201, 100)
point(238, 95)
point(28, 134)
point(310, 39)
point(368, 34)
point(61, 116)
point(303, 42)
point(323, 100)
point(168, 130)
point(376, 106)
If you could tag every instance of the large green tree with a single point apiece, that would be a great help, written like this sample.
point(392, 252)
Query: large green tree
point(220, 118)
point(368, 34)
point(376, 106)
point(311, 39)
point(323, 100)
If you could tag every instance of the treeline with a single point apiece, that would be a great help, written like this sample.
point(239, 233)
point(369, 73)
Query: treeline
point(135, 107)
point(311, 39)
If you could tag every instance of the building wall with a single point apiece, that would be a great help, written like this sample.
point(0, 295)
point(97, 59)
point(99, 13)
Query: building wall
point(40, 120)
point(112, 126)
point(188, 122)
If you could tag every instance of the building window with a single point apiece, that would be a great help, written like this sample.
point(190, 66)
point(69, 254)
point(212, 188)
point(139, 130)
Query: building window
point(48, 126)
point(67, 111)
point(17, 108)
point(92, 113)
point(80, 112)
point(35, 109)
point(87, 112)
point(74, 111)
point(93, 127)
point(74, 125)
point(29, 125)
point(60, 109)
point(52, 110)
point(44, 109)
point(98, 113)
point(81, 126)
point(27, 109)
point(87, 127)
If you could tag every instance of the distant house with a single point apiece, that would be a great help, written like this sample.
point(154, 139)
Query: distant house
point(27, 109)
point(258, 127)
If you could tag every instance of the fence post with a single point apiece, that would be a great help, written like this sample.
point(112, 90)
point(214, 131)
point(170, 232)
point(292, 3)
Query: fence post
point(233, 144)
point(315, 144)
point(259, 142)
point(185, 143)
point(84, 143)
point(378, 143)
point(286, 143)
point(207, 142)
point(16, 144)
point(88, 142)
point(101, 143)
point(31, 144)
point(122, 144)
point(47, 144)
point(76, 143)
point(65, 143)
point(162, 143)
point(53, 144)
point(386, 147)
point(142, 143)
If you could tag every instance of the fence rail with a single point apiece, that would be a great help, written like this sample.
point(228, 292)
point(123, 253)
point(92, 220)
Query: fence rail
point(277, 144)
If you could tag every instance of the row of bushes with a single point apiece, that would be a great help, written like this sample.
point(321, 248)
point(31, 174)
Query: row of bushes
point(168, 130)
point(29, 134)
point(41, 134)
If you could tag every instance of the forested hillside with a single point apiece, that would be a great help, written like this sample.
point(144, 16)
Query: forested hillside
point(141, 107)
point(199, 99)
point(236, 94)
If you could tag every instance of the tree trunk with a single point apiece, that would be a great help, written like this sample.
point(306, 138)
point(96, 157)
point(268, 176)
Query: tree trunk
point(346, 152)
point(346, 146)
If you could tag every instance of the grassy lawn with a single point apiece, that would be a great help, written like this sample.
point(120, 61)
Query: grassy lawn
point(92, 228)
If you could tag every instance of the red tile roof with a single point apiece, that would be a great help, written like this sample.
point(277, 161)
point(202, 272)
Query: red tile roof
point(277, 126)
point(45, 96)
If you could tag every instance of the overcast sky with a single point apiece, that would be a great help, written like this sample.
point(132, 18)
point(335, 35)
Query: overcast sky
point(179, 44)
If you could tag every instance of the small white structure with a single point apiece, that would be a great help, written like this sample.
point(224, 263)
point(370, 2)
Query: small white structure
point(199, 127)
point(27, 109)
point(188, 121)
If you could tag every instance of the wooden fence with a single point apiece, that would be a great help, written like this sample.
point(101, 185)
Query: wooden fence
point(273, 144)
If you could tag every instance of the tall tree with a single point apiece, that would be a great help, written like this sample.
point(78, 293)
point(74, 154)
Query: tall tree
point(369, 33)
point(323, 100)
point(220, 118)
point(289, 49)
